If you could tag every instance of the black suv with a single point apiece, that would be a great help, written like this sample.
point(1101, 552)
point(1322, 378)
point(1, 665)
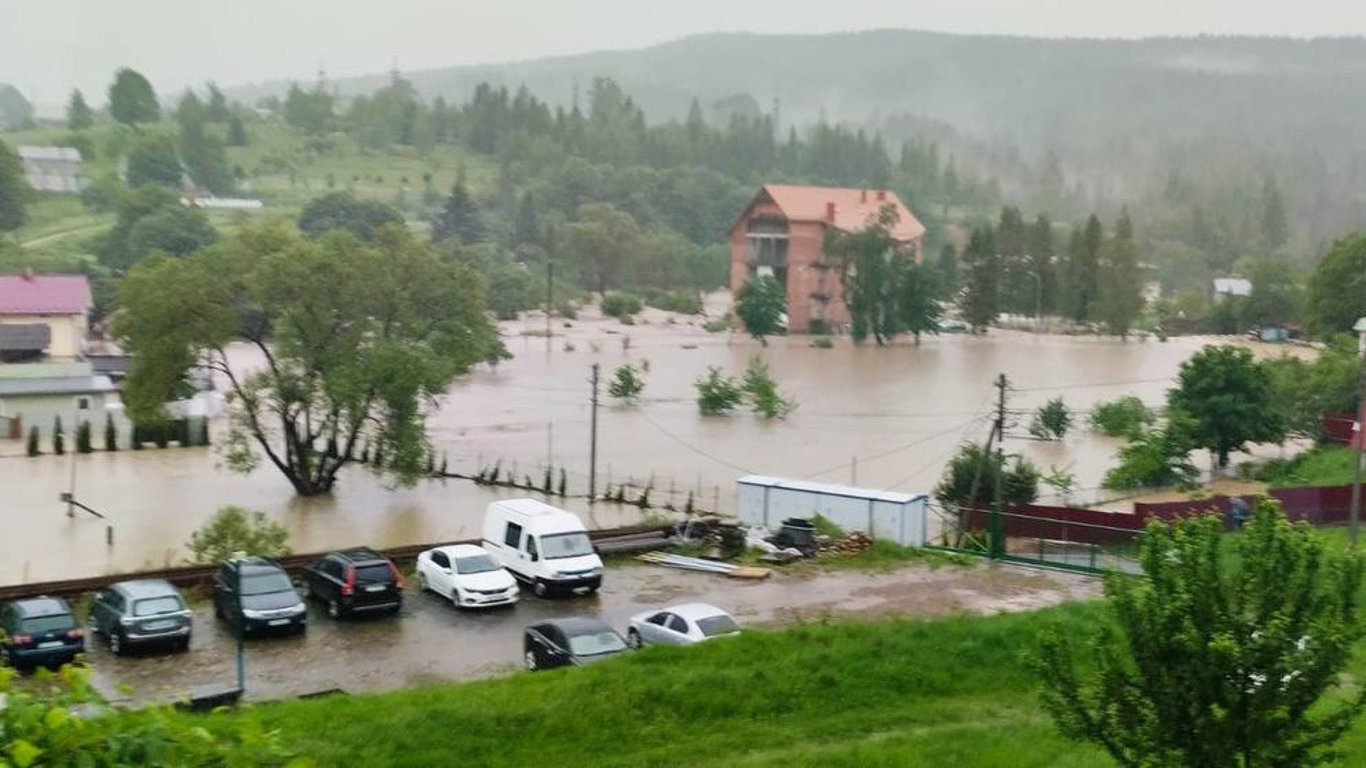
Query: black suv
point(40, 630)
point(140, 613)
point(355, 581)
point(254, 594)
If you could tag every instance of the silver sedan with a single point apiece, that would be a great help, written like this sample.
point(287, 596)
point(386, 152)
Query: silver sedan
point(680, 625)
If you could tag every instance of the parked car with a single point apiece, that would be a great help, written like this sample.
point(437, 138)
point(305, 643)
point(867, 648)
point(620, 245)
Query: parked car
point(146, 612)
point(574, 641)
point(466, 575)
point(680, 625)
point(544, 546)
point(950, 325)
point(39, 630)
point(354, 581)
point(254, 594)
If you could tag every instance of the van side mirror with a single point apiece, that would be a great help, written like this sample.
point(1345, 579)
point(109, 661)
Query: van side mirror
point(535, 556)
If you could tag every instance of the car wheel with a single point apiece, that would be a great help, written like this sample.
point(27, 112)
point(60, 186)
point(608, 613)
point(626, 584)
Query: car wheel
point(183, 646)
point(421, 582)
point(115, 643)
point(531, 661)
point(455, 598)
point(633, 639)
point(540, 588)
point(334, 609)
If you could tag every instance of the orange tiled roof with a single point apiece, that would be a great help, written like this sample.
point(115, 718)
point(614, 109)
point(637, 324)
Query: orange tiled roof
point(853, 208)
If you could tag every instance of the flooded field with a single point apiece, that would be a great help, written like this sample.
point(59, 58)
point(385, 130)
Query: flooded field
point(429, 641)
point(898, 411)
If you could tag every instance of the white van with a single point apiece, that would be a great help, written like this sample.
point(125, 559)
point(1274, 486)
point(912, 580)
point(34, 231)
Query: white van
point(542, 545)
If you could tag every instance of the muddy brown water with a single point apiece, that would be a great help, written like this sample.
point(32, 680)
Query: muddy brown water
point(430, 641)
point(901, 410)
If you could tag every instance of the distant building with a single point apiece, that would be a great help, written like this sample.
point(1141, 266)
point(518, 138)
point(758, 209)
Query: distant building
point(1231, 286)
point(781, 233)
point(59, 304)
point(52, 169)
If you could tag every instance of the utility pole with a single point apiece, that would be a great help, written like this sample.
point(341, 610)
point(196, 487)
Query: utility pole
point(997, 506)
point(593, 441)
point(1358, 431)
point(549, 296)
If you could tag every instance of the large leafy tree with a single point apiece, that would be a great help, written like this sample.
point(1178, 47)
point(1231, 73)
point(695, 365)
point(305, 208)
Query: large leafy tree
point(1306, 390)
point(14, 190)
point(1337, 290)
point(151, 218)
point(1230, 400)
point(79, 115)
point(760, 304)
point(353, 342)
point(917, 297)
point(343, 210)
point(154, 160)
point(602, 244)
point(1276, 295)
point(971, 476)
point(1226, 655)
point(867, 267)
point(131, 98)
point(1121, 282)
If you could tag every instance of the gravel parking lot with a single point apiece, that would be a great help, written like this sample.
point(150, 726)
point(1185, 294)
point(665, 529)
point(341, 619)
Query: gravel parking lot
point(429, 641)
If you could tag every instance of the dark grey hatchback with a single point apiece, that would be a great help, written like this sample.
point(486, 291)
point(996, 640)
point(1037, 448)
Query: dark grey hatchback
point(141, 613)
point(39, 630)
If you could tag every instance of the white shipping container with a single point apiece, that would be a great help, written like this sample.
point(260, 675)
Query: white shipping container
point(768, 501)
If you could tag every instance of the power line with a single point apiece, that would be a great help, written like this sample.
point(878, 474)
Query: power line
point(694, 448)
point(1091, 385)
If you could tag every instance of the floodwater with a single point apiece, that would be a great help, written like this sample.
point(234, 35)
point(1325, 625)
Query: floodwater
point(429, 641)
point(878, 417)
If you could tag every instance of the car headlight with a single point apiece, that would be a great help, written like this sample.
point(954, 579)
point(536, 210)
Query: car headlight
point(248, 613)
point(300, 608)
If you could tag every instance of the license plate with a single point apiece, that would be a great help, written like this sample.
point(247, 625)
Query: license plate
point(52, 644)
point(375, 588)
point(156, 626)
point(278, 622)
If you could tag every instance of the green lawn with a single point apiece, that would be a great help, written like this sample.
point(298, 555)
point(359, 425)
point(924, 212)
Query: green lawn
point(1328, 465)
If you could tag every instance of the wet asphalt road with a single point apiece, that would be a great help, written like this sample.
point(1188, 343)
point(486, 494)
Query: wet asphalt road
point(430, 641)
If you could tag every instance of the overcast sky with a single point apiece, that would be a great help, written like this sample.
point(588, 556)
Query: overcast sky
point(48, 47)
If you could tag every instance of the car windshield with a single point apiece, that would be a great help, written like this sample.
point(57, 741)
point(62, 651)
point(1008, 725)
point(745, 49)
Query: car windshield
point(38, 625)
point(154, 605)
point(717, 625)
point(562, 545)
point(378, 573)
point(475, 564)
point(596, 643)
point(265, 583)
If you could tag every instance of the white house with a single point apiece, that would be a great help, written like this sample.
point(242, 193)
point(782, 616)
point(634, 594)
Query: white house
point(52, 169)
point(1232, 286)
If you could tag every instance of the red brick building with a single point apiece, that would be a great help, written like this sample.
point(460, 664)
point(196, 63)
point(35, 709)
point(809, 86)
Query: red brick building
point(782, 233)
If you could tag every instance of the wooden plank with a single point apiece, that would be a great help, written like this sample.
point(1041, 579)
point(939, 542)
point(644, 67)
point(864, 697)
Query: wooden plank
point(750, 572)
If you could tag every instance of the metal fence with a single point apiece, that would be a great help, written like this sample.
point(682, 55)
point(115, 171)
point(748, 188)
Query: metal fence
point(1075, 539)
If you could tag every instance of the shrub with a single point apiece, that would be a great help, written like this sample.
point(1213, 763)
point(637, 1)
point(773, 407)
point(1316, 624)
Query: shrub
point(970, 479)
point(716, 325)
point(717, 393)
point(822, 342)
point(1052, 421)
point(1121, 417)
point(763, 393)
point(817, 326)
point(1155, 457)
point(83, 438)
point(234, 529)
point(33, 448)
point(111, 434)
point(682, 302)
point(621, 304)
point(626, 383)
point(58, 442)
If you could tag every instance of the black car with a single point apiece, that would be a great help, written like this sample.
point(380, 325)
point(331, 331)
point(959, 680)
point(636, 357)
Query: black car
point(570, 642)
point(254, 595)
point(355, 581)
point(40, 630)
point(142, 613)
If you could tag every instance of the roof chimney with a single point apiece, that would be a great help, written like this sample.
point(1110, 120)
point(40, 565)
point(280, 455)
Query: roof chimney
point(830, 211)
point(881, 195)
point(863, 196)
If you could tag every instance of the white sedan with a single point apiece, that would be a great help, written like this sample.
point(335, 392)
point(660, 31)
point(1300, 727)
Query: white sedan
point(680, 625)
point(466, 575)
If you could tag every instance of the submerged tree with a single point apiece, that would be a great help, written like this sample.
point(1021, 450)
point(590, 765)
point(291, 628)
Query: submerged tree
point(760, 304)
point(1229, 653)
point(354, 340)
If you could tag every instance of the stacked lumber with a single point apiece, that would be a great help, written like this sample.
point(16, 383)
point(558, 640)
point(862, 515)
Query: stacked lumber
point(704, 566)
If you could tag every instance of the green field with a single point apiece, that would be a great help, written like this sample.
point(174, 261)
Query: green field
point(1330, 465)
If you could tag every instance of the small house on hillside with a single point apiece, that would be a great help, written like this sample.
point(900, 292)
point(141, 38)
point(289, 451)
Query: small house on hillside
point(781, 233)
point(1231, 286)
point(52, 169)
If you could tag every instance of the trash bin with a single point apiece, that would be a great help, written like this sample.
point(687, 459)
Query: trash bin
point(798, 533)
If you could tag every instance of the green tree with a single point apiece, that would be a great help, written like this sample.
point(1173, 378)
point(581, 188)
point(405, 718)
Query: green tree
point(216, 110)
point(1156, 457)
point(111, 434)
point(510, 291)
point(1337, 290)
point(153, 160)
point(79, 115)
point(309, 111)
point(1276, 295)
point(1122, 417)
point(14, 191)
point(626, 383)
point(459, 219)
point(1230, 400)
point(868, 275)
point(1121, 282)
point(602, 243)
point(234, 530)
point(760, 304)
point(344, 211)
point(917, 302)
point(58, 437)
point(1051, 421)
point(947, 267)
point(1081, 284)
point(237, 131)
point(1042, 251)
point(1273, 220)
point(1306, 390)
point(717, 393)
point(970, 479)
point(621, 305)
point(1230, 652)
point(762, 391)
point(356, 337)
point(205, 157)
point(980, 301)
point(131, 98)
point(170, 227)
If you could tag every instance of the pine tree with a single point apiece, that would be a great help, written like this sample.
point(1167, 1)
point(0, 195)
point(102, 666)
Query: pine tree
point(131, 98)
point(237, 132)
point(1083, 263)
point(459, 218)
point(14, 191)
point(201, 150)
point(1121, 283)
point(111, 434)
point(79, 115)
point(216, 111)
point(1273, 215)
point(981, 290)
point(948, 271)
point(58, 439)
point(1041, 253)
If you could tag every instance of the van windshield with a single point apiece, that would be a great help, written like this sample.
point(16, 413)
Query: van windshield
point(561, 545)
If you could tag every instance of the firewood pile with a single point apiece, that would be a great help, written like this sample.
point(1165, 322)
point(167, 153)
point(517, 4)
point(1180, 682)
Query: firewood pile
point(850, 544)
